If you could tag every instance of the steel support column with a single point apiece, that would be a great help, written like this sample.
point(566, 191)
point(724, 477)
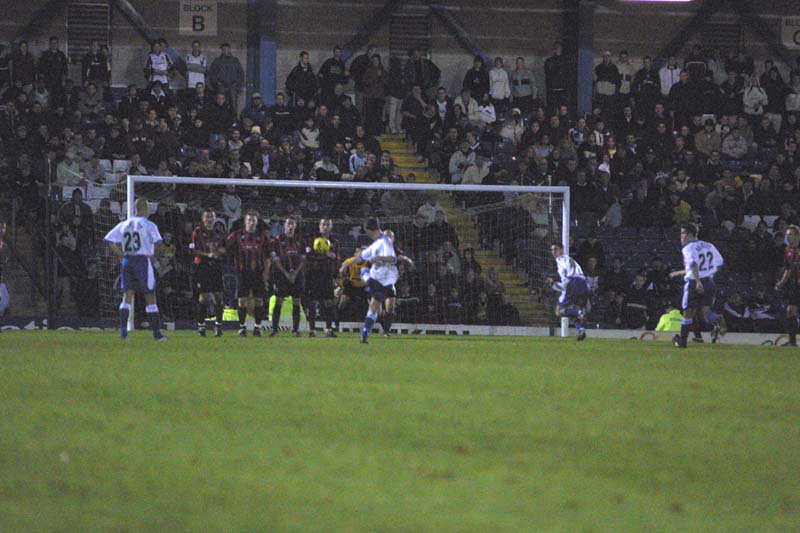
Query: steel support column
point(585, 40)
point(703, 14)
point(262, 61)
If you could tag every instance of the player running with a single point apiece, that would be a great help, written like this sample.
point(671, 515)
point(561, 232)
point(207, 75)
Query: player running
point(134, 241)
point(288, 277)
point(322, 256)
point(573, 287)
point(701, 261)
point(790, 280)
point(208, 246)
point(250, 249)
point(382, 272)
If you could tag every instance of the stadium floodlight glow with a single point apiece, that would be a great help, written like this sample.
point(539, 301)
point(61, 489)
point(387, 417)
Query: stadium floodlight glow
point(550, 203)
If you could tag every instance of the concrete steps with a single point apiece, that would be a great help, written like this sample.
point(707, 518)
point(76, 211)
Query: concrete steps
point(527, 302)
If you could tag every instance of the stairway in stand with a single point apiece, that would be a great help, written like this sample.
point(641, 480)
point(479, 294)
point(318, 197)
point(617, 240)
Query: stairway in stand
point(532, 311)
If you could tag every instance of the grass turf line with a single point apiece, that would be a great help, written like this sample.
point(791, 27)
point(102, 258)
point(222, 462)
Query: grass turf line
point(419, 433)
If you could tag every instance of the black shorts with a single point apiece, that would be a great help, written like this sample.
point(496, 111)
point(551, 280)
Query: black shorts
point(283, 287)
point(250, 281)
point(351, 291)
point(208, 278)
point(380, 292)
point(319, 286)
point(793, 295)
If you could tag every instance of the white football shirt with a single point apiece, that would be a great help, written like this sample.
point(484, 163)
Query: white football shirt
point(385, 274)
point(137, 236)
point(568, 267)
point(703, 254)
point(193, 78)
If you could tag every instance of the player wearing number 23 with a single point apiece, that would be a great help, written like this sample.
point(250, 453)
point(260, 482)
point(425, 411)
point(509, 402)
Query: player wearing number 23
point(134, 240)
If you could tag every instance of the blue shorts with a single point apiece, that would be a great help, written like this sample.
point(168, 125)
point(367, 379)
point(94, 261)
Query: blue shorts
point(692, 299)
point(137, 274)
point(577, 293)
point(380, 292)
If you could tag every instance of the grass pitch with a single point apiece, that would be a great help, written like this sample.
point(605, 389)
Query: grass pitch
point(407, 434)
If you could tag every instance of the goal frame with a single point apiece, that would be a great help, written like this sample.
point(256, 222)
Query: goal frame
point(133, 179)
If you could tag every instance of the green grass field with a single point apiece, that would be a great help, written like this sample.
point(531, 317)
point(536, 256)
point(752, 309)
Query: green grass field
point(406, 434)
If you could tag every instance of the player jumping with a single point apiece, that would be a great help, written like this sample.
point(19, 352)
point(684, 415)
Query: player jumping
point(574, 289)
point(250, 248)
point(382, 273)
point(134, 241)
point(791, 281)
point(208, 246)
point(701, 261)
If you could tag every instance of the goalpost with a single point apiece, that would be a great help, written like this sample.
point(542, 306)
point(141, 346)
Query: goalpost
point(505, 229)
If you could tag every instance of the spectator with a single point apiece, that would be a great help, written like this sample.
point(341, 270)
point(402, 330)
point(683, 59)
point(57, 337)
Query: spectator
point(469, 105)
point(646, 87)
point(52, 68)
point(23, 67)
point(158, 66)
point(421, 71)
point(302, 82)
point(374, 81)
point(476, 80)
point(460, 161)
point(670, 321)
point(332, 73)
point(358, 66)
point(754, 98)
point(196, 67)
point(499, 86)
point(669, 75)
point(556, 77)
point(523, 86)
point(226, 75)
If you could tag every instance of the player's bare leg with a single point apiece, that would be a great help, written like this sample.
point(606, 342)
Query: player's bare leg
point(791, 325)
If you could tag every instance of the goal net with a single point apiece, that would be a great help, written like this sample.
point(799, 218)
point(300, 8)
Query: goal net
point(481, 253)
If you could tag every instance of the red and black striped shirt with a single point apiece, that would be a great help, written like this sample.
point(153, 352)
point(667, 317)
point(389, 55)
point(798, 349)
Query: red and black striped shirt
point(250, 250)
point(321, 263)
point(205, 240)
point(290, 250)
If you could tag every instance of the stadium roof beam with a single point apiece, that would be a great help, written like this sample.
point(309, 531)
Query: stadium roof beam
point(703, 14)
point(376, 21)
point(40, 19)
point(148, 32)
point(262, 51)
point(745, 10)
point(458, 31)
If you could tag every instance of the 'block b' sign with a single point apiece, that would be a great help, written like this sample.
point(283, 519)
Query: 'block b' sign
point(198, 18)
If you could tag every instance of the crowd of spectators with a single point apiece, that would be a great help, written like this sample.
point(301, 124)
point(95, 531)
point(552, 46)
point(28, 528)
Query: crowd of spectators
point(711, 139)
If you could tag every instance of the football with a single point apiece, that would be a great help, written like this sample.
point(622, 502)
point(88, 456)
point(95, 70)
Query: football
point(322, 245)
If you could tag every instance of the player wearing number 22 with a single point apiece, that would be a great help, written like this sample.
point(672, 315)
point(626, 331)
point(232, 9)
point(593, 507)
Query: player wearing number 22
point(134, 241)
point(701, 260)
